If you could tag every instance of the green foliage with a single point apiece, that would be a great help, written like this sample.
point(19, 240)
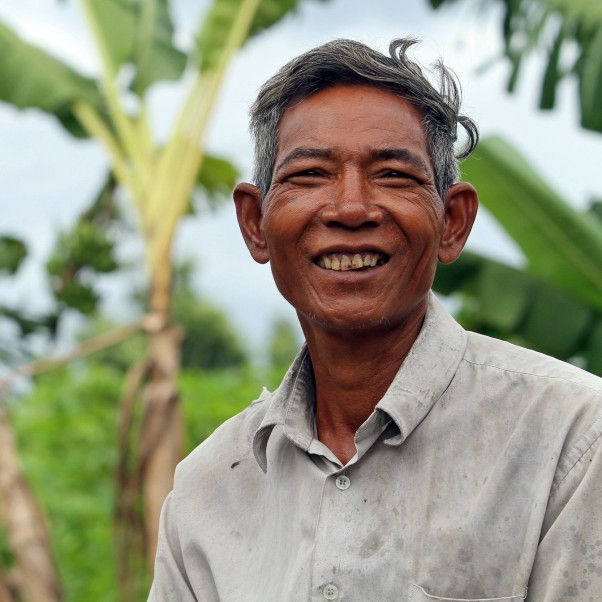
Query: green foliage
point(12, 253)
point(554, 304)
point(209, 340)
point(216, 179)
point(80, 253)
point(559, 27)
point(66, 432)
point(216, 25)
point(561, 244)
point(66, 437)
point(84, 252)
point(50, 85)
point(283, 345)
point(211, 397)
point(118, 357)
point(512, 304)
point(139, 33)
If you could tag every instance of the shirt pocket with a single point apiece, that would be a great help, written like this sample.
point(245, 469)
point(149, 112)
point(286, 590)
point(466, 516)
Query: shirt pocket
point(419, 594)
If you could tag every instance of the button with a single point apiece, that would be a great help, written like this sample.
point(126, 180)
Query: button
point(343, 482)
point(330, 591)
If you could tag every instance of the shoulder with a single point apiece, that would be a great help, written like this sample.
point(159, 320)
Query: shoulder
point(530, 367)
point(230, 445)
point(560, 404)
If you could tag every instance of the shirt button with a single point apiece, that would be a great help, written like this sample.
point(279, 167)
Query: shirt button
point(330, 591)
point(343, 482)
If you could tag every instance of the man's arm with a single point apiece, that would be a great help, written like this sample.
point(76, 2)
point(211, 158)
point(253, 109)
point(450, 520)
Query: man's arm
point(568, 564)
point(171, 581)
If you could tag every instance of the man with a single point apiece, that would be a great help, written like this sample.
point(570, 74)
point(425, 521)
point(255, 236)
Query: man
point(401, 458)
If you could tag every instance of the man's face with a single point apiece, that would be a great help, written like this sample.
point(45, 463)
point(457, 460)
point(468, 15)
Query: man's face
point(352, 223)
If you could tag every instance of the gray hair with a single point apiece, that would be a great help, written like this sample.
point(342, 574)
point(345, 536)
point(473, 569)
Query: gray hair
point(347, 62)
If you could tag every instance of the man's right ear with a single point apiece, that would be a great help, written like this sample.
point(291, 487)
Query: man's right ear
point(247, 199)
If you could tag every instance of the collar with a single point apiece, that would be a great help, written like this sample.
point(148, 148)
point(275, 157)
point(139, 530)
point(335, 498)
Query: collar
point(420, 381)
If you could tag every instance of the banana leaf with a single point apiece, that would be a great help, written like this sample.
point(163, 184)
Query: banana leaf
point(139, 32)
point(218, 21)
point(31, 78)
point(509, 303)
point(561, 245)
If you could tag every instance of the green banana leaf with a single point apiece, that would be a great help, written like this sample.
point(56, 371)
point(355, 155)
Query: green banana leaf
point(31, 78)
point(140, 33)
point(218, 21)
point(511, 304)
point(562, 245)
point(561, 28)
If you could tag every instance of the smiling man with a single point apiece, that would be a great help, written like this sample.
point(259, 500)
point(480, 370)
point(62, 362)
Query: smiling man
point(401, 458)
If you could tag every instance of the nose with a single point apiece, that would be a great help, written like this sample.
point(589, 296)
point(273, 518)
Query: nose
point(351, 204)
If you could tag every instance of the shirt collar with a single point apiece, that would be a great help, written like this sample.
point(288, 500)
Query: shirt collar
point(420, 381)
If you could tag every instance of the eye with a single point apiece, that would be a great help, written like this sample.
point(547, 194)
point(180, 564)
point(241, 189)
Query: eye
point(305, 176)
point(394, 173)
point(397, 176)
point(309, 173)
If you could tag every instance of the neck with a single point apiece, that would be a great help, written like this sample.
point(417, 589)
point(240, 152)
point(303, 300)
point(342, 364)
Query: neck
point(352, 371)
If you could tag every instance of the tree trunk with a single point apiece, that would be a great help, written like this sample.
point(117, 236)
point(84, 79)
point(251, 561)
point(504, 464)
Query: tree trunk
point(161, 443)
point(25, 525)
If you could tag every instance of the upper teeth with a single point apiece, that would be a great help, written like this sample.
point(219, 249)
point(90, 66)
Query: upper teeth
point(343, 262)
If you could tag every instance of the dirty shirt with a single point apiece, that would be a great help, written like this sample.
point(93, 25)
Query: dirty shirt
point(477, 477)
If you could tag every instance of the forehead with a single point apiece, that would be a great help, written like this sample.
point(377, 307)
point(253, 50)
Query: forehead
point(352, 118)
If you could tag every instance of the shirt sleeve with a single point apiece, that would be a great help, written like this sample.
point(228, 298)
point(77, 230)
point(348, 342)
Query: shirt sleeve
point(170, 581)
point(568, 563)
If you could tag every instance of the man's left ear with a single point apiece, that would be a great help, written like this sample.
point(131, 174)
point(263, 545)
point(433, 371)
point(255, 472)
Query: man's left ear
point(461, 203)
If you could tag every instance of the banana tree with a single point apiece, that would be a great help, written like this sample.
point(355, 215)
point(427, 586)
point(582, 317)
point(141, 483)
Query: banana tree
point(554, 304)
point(570, 32)
point(157, 178)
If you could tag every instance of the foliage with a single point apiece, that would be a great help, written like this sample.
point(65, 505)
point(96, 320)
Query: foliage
point(211, 397)
point(554, 304)
point(283, 345)
point(66, 434)
point(66, 429)
point(570, 33)
point(12, 253)
point(209, 340)
point(561, 244)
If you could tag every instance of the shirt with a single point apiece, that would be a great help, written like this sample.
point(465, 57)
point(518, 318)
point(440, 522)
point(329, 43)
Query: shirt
point(477, 477)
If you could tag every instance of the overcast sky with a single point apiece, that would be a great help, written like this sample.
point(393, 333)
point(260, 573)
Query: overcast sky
point(47, 177)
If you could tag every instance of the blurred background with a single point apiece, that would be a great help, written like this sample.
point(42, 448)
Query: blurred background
point(132, 319)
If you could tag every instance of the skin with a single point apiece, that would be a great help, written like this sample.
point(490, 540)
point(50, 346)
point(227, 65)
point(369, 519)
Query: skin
point(352, 175)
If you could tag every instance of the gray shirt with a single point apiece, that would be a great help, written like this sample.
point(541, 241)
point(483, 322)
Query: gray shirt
point(478, 477)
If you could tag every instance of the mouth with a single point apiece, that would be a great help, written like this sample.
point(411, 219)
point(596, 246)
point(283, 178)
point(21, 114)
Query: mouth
point(351, 261)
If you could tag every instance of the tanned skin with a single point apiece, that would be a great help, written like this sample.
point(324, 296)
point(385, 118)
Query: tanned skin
point(353, 177)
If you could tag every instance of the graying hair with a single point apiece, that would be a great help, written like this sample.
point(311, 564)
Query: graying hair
point(347, 62)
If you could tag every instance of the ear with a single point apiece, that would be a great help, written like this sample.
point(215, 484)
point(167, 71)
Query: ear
point(461, 204)
point(247, 199)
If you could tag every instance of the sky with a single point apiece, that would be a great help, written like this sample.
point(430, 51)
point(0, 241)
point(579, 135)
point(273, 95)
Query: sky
point(47, 178)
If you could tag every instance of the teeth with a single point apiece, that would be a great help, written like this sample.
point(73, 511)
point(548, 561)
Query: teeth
point(357, 262)
point(344, 262)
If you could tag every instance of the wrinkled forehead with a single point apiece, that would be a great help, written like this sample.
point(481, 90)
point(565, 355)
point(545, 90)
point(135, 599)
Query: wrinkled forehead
point(352, 119)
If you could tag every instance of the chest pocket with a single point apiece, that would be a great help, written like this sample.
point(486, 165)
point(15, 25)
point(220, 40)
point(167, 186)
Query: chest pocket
point(418, 594)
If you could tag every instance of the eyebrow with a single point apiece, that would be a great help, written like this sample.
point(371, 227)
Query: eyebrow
point(400, 154)
point(305, 153)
